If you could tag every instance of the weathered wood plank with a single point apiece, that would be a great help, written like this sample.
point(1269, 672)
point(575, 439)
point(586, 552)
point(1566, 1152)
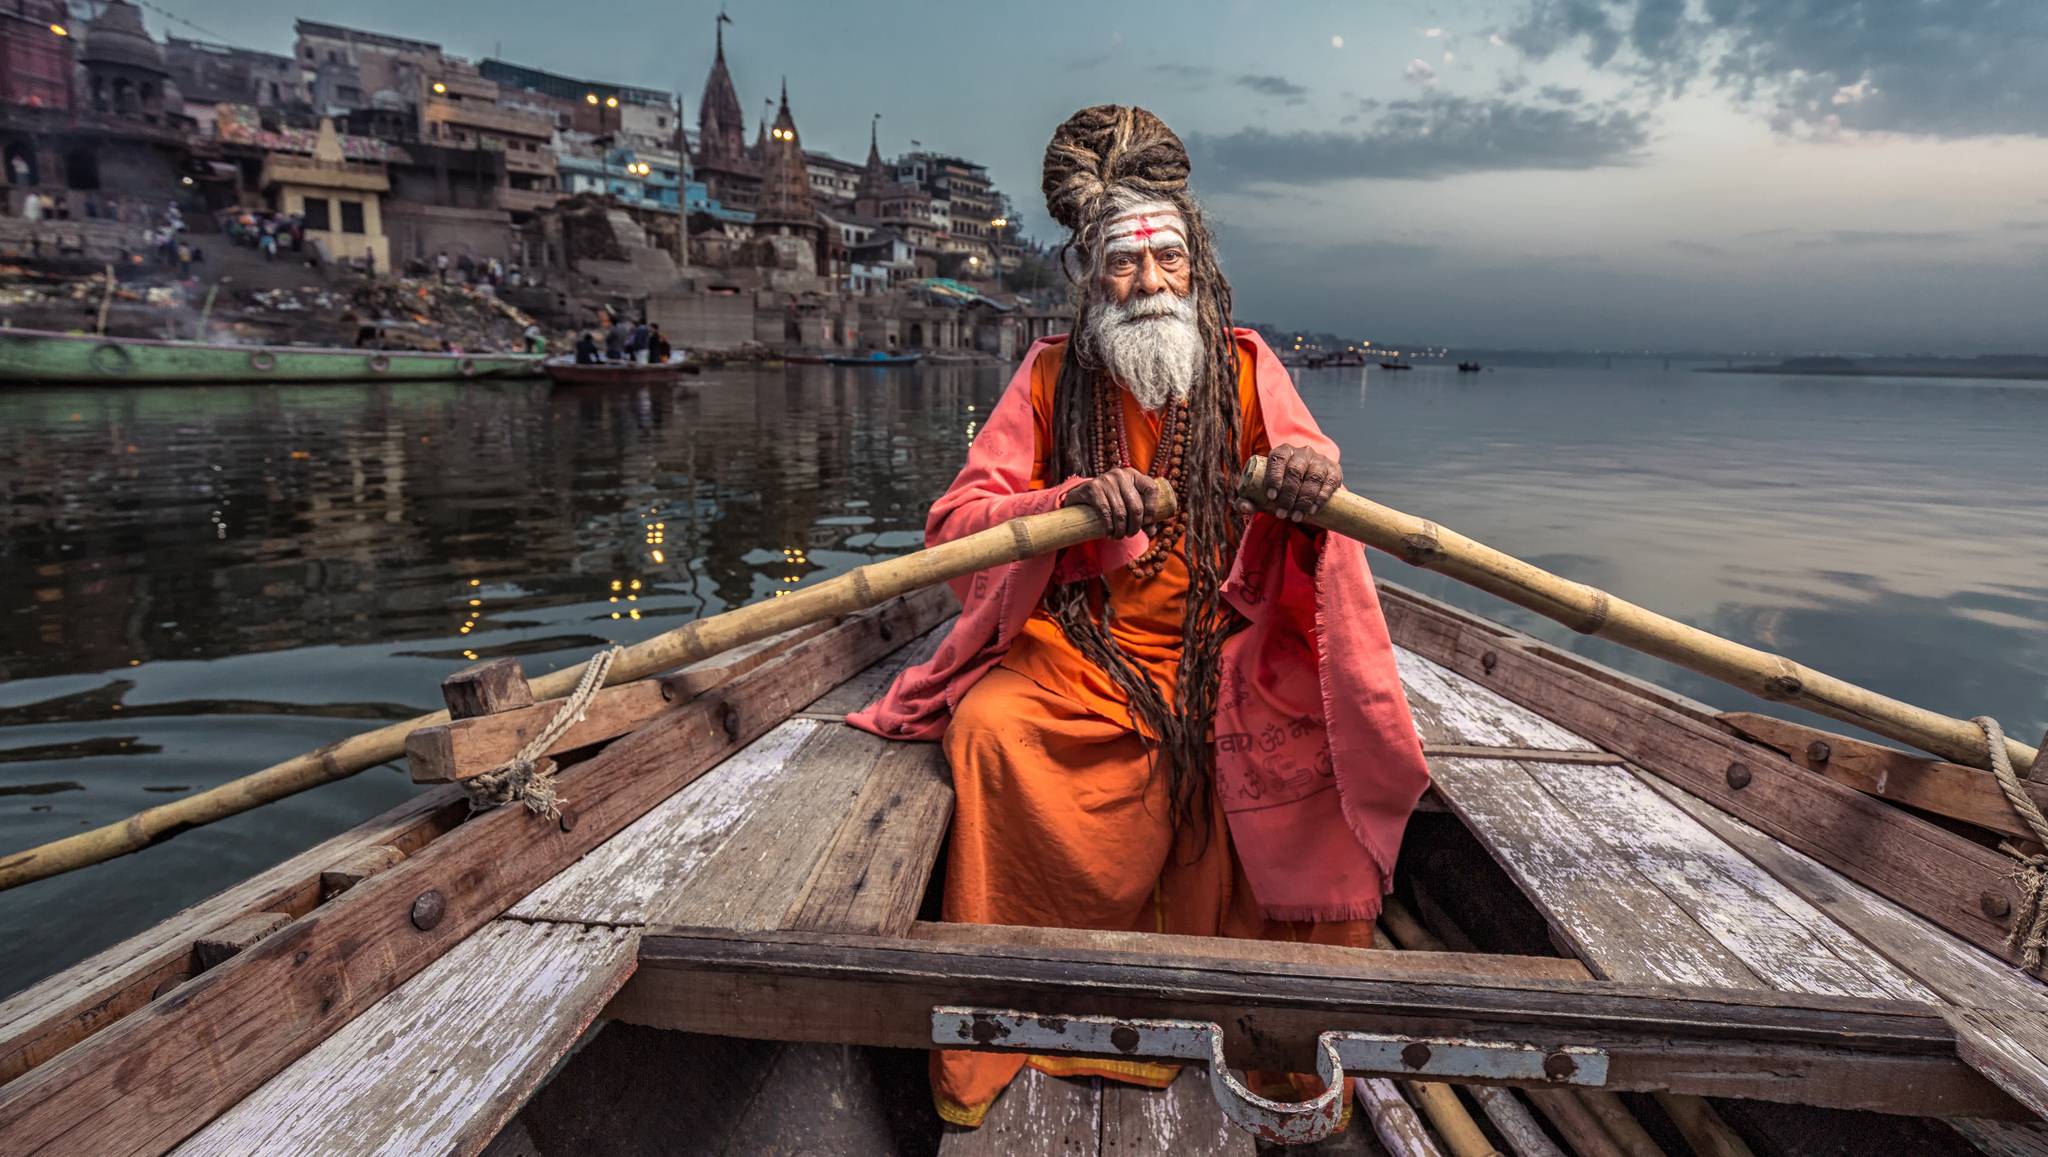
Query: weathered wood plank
point(868, 686)
point(1037, 1116)
point(356, 868)
point(628, 878)
point(1617, 921)
point(1785, 941)
point(50, 1016)
point(443, 1062)
point(1933, 872)
point(874, 872)
point(1450, 709)
point(1276, 952)
point(467, 747)
point(1181, 1120)
point(1969, 794)
point(149, 1081)
point(1960, 974)
point(2010, 1047)
point(486, 688)
point(214, 948)
point(1885, 1056)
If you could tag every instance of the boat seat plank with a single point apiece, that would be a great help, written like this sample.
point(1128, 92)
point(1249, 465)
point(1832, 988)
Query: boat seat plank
point(1181, 1120)
point(1787, 942)
point(873, 874)
point(1451, 709)
point(1618, 922)
point(626, 879)
point(440, 1064)
point(868, 686)
point(1037, 1116)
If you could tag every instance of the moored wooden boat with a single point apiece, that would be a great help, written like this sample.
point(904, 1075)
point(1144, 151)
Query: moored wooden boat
point(1613, 890)
point(566, 372)
point(876, 359)
point(36, 357)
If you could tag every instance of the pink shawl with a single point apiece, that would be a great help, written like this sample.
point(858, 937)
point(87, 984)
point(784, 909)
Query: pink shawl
point(1317, 775)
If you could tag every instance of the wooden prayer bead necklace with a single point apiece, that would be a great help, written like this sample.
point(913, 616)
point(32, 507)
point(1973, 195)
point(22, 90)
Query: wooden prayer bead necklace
point(1169, 462)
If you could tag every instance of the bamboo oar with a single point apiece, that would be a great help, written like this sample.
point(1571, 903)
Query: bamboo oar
point(1592, 611)
point(858, 589)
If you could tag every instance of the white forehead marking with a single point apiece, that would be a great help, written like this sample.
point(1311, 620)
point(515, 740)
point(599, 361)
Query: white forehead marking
point(1151, 225)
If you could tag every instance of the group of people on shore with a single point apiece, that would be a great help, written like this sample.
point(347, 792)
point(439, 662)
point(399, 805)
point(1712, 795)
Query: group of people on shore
point(624, 341)
point(462, 269)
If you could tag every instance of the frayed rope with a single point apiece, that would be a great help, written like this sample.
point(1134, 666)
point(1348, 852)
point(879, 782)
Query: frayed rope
point(529, 777)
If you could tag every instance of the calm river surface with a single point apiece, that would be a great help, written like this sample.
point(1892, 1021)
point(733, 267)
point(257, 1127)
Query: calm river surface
point(199, 582)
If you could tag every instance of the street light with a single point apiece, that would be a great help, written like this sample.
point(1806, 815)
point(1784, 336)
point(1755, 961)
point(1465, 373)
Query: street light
point(439, 87)
point(995, 248)
point(60, 30)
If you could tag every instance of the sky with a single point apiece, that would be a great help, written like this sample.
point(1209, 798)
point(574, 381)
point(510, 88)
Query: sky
point(1789, 175)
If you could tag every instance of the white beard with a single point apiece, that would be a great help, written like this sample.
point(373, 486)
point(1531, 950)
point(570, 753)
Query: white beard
point(1152, 346)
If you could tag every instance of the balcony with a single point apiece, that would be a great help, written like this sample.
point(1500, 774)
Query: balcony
point(475, 114)
point(279, 169)
point(540, 163)
point(527, 200)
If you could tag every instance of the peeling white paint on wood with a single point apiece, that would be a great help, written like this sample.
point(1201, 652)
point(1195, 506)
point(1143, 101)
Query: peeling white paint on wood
point(1181, 1120)
point(1449, 708)
point(1037, 1116)
point(622, 880)
point(1621, 925)
point(441, 1063)
point(1787, 942)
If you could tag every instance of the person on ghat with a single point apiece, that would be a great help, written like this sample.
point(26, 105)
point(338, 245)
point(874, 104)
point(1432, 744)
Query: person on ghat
point(1194, 725)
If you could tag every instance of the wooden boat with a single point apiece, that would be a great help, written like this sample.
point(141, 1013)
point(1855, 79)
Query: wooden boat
point(1396, 366)
point(876, 359)
point(36, 357)
point(566, 372)
point(1469, 367)
point(1611, 889)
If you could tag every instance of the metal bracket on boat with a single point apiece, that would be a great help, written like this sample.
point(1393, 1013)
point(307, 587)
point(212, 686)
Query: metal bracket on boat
point(1280, 1122)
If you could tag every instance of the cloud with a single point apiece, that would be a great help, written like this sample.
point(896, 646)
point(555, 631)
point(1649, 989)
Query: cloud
point(1277, 86)
point(1957, 68)
point(1419, 71)
point(1433, 136)
point(1860, 237)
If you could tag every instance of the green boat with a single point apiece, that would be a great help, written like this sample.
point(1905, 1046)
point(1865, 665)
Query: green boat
point(36, 357)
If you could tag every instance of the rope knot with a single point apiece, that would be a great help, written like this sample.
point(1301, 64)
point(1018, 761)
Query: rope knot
point(2028, 937)
point(529, 777)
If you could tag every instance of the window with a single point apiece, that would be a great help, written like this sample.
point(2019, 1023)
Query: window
point(351, 216)
point(316, 213)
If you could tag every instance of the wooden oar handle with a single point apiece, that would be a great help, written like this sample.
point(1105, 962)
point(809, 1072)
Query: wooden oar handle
point(1591, 611)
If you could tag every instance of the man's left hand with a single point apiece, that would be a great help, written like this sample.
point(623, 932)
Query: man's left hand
point(1298, 482)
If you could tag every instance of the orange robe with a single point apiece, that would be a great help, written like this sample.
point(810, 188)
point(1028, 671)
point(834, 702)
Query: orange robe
point(1059, 820)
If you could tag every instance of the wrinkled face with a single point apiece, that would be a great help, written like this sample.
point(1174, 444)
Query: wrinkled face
point(1144, 253)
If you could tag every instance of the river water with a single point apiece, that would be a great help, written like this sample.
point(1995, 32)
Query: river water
point(200, 582)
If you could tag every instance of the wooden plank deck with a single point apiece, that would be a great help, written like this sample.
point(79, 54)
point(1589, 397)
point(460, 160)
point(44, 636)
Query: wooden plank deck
point(1647, 883)
point(813, 825)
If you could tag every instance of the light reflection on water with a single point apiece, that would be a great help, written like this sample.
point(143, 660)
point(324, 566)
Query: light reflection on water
point(206, 581)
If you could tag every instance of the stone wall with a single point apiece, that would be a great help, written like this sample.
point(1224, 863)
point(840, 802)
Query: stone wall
point(704, 320)
point(419, 231)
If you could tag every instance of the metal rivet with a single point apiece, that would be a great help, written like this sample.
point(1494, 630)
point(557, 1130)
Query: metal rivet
point(1415, 1056)
point(1738, 776)
point(1994, 905)
point(1487, 661)
point(888, 630)
point(428, 910)
point(1819, 752)
point(566, 817)
point(729, 718)
point(668, 692)
point(1560, 1066)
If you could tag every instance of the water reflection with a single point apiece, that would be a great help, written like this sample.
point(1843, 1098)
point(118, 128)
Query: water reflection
point(206, 581)
point(210, 580)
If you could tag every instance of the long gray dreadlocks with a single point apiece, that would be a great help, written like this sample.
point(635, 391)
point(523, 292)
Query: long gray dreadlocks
point(1101, 159)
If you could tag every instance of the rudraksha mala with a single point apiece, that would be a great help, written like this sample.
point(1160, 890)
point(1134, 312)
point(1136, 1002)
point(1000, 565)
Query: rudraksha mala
point(1169, 463)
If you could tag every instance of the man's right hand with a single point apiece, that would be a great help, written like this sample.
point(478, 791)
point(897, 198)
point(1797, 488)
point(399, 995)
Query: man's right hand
point(1127, 499)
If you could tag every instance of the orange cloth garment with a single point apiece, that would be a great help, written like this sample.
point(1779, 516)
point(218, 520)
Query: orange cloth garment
point(1059, 819)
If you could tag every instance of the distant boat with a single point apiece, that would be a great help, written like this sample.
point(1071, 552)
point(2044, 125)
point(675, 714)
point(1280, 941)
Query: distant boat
point(1347, 358)
point(566, 372)
point(877, 358)
point(37, 356)
point(1396, 366)
point(1468, 367)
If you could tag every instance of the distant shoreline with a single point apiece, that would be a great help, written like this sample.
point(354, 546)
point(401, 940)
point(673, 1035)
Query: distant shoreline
point(2016, 370)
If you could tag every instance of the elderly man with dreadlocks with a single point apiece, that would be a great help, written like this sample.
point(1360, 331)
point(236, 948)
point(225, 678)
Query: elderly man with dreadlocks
point(1194, 726)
